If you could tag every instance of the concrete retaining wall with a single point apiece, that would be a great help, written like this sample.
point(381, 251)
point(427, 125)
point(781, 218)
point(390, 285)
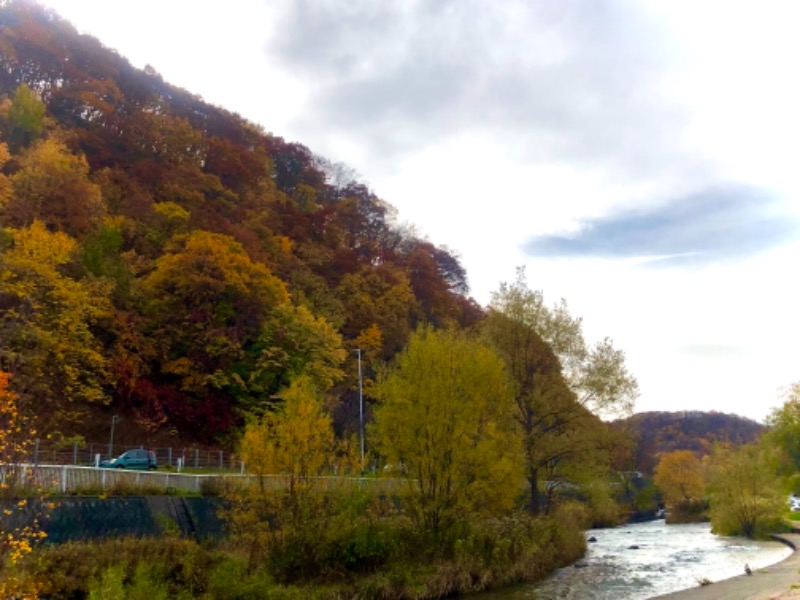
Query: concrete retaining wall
point(87, 518)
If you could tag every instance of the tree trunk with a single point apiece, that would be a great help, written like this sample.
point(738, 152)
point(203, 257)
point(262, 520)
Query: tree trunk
point(534, 506)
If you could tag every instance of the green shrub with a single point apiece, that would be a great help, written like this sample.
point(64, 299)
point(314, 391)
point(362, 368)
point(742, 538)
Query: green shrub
point(148, 584)
point(109, 586)
point(362, 547)
point(67, 570)
point(230, 580)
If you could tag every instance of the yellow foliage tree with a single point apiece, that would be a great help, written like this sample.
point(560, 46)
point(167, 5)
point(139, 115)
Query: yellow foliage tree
point(679, 476)
point(53, 186)
point(445, 417)
point(46, 336)
point(744, 492)
point(19, 531)
point(370, 342)
point(296, 442)
point(287, 451)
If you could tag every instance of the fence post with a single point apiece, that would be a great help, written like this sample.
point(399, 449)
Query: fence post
point(221, 461)
point(74, 453)
point(196, 458)
point(64, 479)
point(169, 456)
point(241, 468)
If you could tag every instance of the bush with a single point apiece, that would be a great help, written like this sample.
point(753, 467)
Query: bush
point(688, 511)
point(73, 569)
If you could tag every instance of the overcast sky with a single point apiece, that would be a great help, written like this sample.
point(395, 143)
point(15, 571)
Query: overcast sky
point(640, 159)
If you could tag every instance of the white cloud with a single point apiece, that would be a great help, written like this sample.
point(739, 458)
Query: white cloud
point(489, 123)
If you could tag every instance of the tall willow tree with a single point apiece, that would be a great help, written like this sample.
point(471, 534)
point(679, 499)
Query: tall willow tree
point(444, 415)
point(597, 373)
point(556, 383)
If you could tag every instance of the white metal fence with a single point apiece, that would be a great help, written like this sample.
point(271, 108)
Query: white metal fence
point(47, 453)
point(77, 479)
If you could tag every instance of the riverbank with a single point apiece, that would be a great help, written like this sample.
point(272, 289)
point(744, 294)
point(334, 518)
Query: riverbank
point(770, 583)
point(356, 557)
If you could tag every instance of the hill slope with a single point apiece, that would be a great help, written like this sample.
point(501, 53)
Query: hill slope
point(213, 260)
point(660, 432)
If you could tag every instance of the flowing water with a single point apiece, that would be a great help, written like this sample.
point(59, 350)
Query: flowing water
point(668, 558)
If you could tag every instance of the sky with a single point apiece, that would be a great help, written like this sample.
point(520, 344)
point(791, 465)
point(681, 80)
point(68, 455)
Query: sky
point(638, 158)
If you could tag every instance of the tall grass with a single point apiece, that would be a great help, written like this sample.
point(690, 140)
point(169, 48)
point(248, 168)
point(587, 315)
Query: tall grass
point(347, 543)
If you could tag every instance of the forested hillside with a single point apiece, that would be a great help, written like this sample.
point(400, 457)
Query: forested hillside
point(657, 433)
point(169, 261)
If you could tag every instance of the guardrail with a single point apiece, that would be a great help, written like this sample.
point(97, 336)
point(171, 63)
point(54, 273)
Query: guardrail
point(84, 454)
point(69, 479)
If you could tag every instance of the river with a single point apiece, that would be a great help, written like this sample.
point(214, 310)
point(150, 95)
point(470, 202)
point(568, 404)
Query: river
point(668, 558)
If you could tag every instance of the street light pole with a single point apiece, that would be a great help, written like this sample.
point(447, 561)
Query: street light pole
point(360, 408)
point(114, 420)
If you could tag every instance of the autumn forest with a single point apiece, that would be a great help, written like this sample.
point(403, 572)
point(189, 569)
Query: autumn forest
point(171, 263)
point(170, 260)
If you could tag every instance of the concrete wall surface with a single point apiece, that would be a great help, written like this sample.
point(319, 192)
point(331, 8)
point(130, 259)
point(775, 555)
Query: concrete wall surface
point(73, 518)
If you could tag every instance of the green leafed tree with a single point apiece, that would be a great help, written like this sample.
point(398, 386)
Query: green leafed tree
point(565, 444)
point(224, 328)
point(784, 425)
point(745, 495)
point(293, 342)
point(597, 373)
point(444, 417)
point(25, 120)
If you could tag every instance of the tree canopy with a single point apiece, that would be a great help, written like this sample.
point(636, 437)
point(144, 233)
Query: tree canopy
point(563, 440)
point(224, 261)
point(597, 374)
point(679, 475)
point(444, 417)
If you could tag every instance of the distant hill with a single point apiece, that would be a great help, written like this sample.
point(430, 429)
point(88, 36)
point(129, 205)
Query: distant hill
point(659, 432)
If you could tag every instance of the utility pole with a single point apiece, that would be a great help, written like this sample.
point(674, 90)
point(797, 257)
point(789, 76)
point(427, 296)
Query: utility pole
point(114, 420)
point(360, 408)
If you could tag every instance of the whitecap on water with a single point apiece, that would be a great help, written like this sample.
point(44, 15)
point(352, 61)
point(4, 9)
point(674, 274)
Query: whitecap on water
point(669, 558)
